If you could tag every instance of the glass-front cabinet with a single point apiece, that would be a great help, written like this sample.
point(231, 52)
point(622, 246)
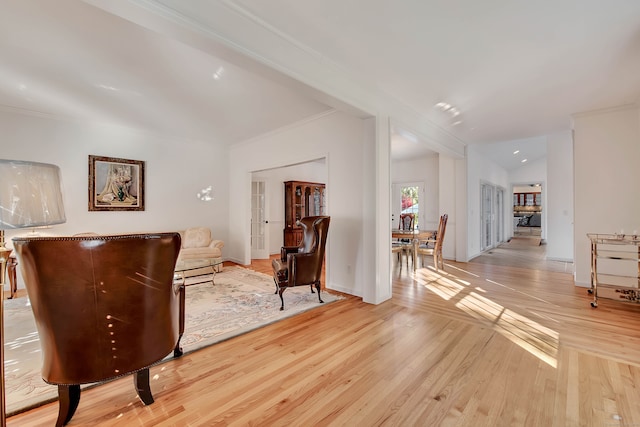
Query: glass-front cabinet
point(527, 199)
point(301, 199)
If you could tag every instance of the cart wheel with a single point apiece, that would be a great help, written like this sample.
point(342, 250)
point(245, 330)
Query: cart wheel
point(594, 304)
point(590, 291)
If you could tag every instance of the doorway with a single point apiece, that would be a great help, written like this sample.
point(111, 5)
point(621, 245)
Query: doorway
point(267, 203)
point(527, 210)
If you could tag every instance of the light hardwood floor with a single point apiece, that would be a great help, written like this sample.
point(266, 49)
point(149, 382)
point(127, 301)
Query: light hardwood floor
point(484, 343)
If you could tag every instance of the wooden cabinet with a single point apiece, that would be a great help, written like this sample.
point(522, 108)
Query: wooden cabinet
point(527, 199)
point(300, 199)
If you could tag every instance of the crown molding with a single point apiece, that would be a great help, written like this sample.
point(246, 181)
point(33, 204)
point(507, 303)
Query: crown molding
point(615, 109)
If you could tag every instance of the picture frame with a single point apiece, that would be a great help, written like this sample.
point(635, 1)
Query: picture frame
point(115, 184)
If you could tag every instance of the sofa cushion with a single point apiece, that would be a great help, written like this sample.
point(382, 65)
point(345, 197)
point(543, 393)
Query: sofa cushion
point(196, 237)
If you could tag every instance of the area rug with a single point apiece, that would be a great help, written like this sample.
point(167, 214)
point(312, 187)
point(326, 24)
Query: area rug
point(240, 301)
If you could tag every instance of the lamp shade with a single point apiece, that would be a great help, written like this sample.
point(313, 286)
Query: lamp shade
point(30, 194)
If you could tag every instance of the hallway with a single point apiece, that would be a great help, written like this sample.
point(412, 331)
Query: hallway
point(523, 252)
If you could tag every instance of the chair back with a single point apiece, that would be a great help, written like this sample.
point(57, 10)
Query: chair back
point(442, 227)
point(315, 230)
point(406, 221)
point(104, 306)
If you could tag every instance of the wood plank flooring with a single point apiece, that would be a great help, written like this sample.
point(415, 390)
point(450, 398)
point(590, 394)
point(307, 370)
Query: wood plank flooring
point(479, 344)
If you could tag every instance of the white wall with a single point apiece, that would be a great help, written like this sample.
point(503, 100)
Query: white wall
point(274, 179)
point(175, 170)
point(606, 155)
point(340, 139)
point(447, 204)
point(559, 197)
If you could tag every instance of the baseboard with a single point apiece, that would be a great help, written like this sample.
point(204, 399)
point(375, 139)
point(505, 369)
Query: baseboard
point(570, 260)
point(343, 289)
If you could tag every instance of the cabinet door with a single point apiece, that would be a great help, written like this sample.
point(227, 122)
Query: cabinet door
point(317, 201)
point(288, 208)
point(298, 203)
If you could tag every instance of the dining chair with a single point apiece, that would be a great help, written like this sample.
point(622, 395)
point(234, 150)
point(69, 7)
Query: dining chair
point(407, 223)
point(400, 245)
point(433, 245)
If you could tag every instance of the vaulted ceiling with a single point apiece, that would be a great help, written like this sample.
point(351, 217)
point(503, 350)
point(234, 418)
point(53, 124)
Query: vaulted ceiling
point(505, 70)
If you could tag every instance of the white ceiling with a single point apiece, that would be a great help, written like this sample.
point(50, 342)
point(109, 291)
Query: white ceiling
point(514, 70)
point(67, 58)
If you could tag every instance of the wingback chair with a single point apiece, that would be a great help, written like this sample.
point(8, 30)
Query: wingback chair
point(105, 306)
point(302, 264)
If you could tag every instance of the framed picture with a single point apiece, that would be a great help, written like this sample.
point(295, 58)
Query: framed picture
point(115, 184)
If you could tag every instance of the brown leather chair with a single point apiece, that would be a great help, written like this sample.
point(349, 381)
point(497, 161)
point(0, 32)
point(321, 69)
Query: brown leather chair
point(105, 306)
point(302, 264)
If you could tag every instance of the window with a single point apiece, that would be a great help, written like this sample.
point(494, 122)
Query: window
point(410, 203)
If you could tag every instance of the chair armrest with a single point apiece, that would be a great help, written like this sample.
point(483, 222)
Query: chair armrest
point(286, 250)
point(301, 268)
point(216, 244)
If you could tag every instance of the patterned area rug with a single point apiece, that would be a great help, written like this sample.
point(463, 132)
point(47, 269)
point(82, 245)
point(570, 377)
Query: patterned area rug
point(240, 301)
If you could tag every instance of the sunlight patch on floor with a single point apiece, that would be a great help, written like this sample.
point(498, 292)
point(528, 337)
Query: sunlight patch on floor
point(531, 336)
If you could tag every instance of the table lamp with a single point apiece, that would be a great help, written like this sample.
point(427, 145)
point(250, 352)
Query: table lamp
point(30, 196)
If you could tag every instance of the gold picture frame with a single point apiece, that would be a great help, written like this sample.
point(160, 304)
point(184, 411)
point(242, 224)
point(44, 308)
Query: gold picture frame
point(115, 184)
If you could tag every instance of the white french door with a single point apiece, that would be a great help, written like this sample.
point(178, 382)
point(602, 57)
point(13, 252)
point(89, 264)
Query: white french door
point(259, 222)
point(492, 216)
point(486, 219)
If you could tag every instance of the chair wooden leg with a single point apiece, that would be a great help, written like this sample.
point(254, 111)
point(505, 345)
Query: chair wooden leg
point(141, 382)
point(318, 288)
point(311, 286)
point(68, 398)
point(281, 291)
point(177, 351)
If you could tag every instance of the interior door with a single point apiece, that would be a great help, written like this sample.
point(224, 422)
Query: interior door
point(499, 215)
point(259, 222)
point(486, 227)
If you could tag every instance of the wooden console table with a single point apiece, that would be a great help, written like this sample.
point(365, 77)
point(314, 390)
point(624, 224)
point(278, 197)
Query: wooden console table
point(618, 258)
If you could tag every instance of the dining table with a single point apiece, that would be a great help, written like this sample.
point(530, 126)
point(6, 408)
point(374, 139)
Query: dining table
point(415, 236)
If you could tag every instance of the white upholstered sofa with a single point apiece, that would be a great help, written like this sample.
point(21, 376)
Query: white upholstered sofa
point(197, 243)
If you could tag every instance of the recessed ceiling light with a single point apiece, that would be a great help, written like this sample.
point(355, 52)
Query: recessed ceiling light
point(456, 123)
point(516, 152)
point(523, 160)
point(107, 87)
point(218, 74)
